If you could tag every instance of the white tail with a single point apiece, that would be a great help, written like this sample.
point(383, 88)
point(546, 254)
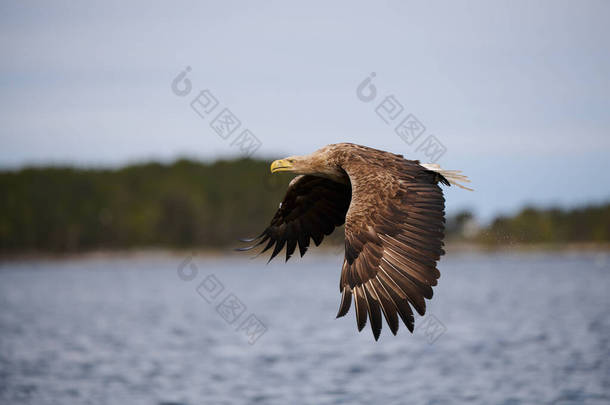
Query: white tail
point(454, 177)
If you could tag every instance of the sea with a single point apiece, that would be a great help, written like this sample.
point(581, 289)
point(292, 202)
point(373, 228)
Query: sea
point(160, 328)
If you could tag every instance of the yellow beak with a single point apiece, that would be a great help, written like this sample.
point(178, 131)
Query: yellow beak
point(281, 165)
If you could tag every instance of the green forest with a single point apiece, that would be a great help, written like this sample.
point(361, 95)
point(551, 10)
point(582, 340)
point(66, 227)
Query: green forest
point(188, 204)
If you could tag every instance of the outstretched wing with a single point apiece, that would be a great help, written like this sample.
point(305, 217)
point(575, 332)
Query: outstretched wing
point(393, 238)
point(312, 208)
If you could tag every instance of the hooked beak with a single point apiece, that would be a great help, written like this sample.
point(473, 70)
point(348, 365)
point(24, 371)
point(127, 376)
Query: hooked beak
point(281, 165)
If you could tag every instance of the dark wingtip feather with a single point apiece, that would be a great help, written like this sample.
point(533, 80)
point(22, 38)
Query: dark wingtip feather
point(248, 240)
point(269, 244)
point(346, 302)
point(290, 247)
point(387, 307)
point(247, 248)
point(373, 311)
point(278, 248)
point(360, 303)
point(303, 242)
point(244, 249)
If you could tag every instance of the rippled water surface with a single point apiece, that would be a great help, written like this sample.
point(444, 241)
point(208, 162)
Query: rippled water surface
point(502, 329)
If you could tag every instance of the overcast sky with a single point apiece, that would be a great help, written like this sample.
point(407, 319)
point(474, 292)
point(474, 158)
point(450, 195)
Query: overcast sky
point(517, 93)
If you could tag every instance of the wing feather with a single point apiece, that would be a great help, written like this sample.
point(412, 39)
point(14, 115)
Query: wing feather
point(393, 239)
point(361, 307)
point(373, 309)
point(387, 305)
point(311, 209)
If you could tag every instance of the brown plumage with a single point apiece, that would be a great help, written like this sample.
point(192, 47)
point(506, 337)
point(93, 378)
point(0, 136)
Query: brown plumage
point(393, 210)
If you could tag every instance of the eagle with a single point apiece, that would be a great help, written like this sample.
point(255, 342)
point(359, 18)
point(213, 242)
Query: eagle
point(394, 215)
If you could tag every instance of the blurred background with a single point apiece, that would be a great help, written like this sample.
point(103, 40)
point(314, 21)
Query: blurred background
point(135, 148)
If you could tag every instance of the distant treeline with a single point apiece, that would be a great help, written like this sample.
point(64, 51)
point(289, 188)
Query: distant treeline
point(184, 204)
point(190, 204)
point(554, 226)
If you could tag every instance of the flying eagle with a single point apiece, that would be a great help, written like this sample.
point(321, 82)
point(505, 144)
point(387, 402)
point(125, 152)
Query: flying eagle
point(393, 210)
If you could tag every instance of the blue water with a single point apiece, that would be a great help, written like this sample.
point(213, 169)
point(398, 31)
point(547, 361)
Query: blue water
point(502, 329)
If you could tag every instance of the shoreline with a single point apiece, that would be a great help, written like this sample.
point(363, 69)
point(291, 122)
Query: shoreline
point(450, 248)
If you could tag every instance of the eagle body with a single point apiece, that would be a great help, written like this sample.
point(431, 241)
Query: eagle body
point(393, 211)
